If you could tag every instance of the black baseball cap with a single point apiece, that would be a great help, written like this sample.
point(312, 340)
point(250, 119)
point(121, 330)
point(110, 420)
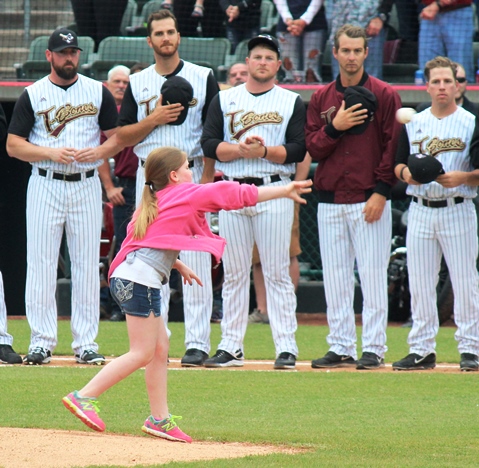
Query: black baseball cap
point(266, 39)
point(424, 168)
point(360, 95)
point(63, 38)
point(177, 90)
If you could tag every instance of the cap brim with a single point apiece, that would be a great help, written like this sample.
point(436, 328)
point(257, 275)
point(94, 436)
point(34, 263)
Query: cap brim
point(59, 49)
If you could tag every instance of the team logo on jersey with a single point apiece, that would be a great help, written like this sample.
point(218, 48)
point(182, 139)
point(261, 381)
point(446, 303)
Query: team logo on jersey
point(64, 115)
point(436, 146)
point(249, 120)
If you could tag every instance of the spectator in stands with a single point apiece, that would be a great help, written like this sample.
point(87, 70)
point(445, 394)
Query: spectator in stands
point(98, 18)
point(447, 29)
point(461, 99)
point(212, 21)
point(368, 15)
point(302, 30)
point(242, 20)
point(237, 74)
point(198, 8)
point(121, 193)
point(408, 19)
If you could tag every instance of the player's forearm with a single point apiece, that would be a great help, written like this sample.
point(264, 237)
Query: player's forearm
point(208, 171)
point(275, 154)
point(472, 178)
point(20, 148)
point(130, 135)
point(110, 147)
point(227, 152)
point(105, 176)
point(302, 168)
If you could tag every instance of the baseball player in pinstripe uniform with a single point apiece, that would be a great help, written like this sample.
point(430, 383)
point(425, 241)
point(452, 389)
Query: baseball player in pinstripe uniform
point(255, 131)
point(148, 124)
point(442, 220)
point(56, 127)
point(355, 153)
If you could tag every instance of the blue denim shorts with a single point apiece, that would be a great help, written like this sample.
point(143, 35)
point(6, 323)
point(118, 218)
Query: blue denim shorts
point(135, 299)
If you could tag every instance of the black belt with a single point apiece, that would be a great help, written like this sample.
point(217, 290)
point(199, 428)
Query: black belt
point(67, 177)
point(436, 203)
point(258, 181)
point(191, 162)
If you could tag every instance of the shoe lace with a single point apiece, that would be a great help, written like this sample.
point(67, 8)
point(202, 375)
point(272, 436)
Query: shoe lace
point(39, 350)
point(89, 404)
point(166, 424)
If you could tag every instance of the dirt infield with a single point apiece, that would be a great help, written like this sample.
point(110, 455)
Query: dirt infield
point(38, 448)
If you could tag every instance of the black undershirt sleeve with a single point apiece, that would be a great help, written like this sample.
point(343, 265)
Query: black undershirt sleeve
point(212, 90)
point(403, 150)
point(129, 109)
point(108, 116)
point(295, 140)
point(213, 133)
point(23, 118)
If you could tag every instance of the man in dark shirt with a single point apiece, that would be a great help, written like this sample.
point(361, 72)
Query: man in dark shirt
point(355, 153)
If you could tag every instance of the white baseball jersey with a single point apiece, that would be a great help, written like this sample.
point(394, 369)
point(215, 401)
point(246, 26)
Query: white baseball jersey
point(450, 231)
point(146, 87)
point(63, 117)
point(66, 118)
point(246, 115)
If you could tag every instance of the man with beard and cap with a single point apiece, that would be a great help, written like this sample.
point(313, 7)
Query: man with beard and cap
point(352, 132)
point(148, 120)
point(56, 126)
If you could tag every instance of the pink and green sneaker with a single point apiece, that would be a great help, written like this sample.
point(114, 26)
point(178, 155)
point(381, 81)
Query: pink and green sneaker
point(86, 409)
point(166, 428)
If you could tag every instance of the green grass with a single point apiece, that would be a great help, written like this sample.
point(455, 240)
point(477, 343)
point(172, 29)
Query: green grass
point(355, 419)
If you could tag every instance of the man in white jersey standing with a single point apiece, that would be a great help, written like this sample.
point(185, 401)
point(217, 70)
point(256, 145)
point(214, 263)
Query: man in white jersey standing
point(442, 218)
point(255, 132)
point(148, 123)
point(56, 127)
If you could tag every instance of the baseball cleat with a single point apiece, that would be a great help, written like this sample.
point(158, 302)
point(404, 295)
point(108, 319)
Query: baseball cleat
point(285, 361)
point(331, 359)
point(8, 355)
point(194, 358)
point(224, 359)
point(38, 356)
point(414, 361)
point(90, 357)
point(369, 361)
point(469, 362)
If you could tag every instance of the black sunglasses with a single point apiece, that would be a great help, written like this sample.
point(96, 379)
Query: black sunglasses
point(462, 79)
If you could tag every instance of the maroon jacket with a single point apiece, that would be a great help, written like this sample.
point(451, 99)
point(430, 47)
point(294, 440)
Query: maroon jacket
point(352, 167)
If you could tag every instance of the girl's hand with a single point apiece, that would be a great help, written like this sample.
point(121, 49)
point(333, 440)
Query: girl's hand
point(296, 188)
point(187, 273)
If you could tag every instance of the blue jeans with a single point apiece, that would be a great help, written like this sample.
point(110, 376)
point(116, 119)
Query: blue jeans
point(449, 34)
point(135, 299)
point(236, 35)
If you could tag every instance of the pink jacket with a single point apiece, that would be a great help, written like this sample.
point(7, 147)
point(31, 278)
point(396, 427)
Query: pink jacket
point(181, 222)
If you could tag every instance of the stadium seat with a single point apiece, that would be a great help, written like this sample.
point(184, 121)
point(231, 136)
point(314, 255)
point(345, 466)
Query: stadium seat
point(269, 17)
point(119, 51)
point(205, 50)
point(36, 65)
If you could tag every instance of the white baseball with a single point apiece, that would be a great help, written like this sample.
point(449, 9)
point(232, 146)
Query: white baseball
point(405, 114)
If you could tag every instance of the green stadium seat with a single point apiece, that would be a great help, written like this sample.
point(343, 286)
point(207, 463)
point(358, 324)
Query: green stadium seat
point(119, 51)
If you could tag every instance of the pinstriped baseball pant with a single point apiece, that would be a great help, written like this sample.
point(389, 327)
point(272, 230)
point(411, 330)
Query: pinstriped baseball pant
point(53, 205)
point(431, 232)
point(269, 225)
point(344, 237)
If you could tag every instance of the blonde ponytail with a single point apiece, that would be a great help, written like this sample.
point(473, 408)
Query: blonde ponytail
point(158, 167)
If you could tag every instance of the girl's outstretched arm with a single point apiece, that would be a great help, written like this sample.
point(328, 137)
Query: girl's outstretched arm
point(188, 274)
point(293, 190)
